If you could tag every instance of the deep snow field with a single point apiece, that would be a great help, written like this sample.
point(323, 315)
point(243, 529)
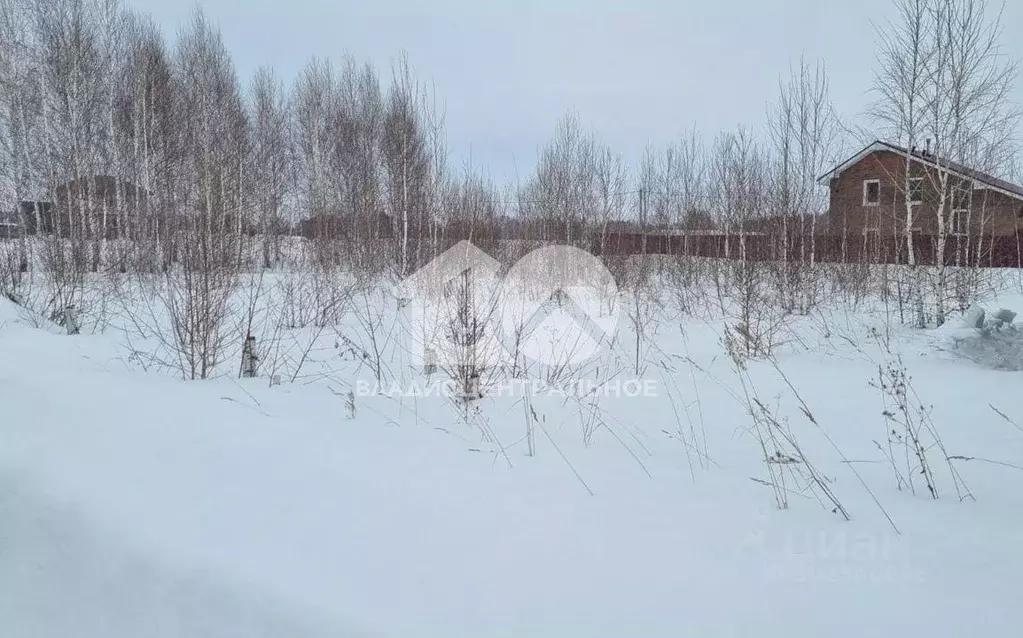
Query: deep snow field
point(137, 505)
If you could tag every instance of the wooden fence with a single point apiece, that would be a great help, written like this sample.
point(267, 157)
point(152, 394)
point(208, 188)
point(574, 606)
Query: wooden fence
point(1005, 251)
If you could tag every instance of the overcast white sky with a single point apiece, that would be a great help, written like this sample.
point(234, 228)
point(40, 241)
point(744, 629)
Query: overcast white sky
point(639, 72)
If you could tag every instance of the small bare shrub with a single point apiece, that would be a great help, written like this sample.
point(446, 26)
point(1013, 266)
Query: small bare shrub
point(911, 435)
point(789, 469)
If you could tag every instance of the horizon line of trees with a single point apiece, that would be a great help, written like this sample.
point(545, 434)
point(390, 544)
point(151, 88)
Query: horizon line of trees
point(89, 88)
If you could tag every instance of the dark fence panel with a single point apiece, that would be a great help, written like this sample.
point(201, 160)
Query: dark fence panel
point(1005, 251)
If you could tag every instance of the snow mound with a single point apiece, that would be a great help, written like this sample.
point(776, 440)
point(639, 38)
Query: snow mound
point(60, 576)
point(996, 349)
point(12, 314)
point(990, 340)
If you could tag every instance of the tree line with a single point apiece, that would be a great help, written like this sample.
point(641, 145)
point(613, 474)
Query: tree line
point(194, 158)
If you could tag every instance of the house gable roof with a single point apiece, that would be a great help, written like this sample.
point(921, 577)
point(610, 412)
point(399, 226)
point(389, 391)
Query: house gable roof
point(981, 180)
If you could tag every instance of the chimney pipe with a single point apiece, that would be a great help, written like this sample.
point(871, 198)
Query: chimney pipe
point(928, 151)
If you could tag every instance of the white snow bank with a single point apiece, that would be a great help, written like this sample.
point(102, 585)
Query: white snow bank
point(134, 505)
point(61, 576)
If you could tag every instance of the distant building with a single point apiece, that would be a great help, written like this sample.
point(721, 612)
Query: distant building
point(35, 216)
point(11, 226)
point(869, 194)
point(95, 207)
point(336, 226)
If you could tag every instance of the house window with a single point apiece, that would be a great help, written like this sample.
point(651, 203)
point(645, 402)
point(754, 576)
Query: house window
point(961, 210)
point(960, 222)
point(916, 190)
point(871, 192)
point(961, 198)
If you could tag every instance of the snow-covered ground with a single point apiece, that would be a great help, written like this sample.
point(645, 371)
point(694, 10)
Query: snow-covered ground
point(135, 504)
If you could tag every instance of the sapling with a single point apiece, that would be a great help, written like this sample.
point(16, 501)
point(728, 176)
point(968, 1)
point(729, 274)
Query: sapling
point(470, 350)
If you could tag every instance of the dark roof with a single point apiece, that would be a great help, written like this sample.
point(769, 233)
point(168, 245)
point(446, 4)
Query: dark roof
point(929, 158)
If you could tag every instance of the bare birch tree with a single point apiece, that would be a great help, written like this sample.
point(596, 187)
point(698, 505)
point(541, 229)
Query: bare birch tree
point(903, 57)
point(312, 100)
point(269, 170)
point(944, 80)
point(356, 124)
point(20, 128)
point(969, 114)
point(406, 163)
point(560, 197)
point(741, 197)
point(209, 219)
point(803, 130)
point(147, 136)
